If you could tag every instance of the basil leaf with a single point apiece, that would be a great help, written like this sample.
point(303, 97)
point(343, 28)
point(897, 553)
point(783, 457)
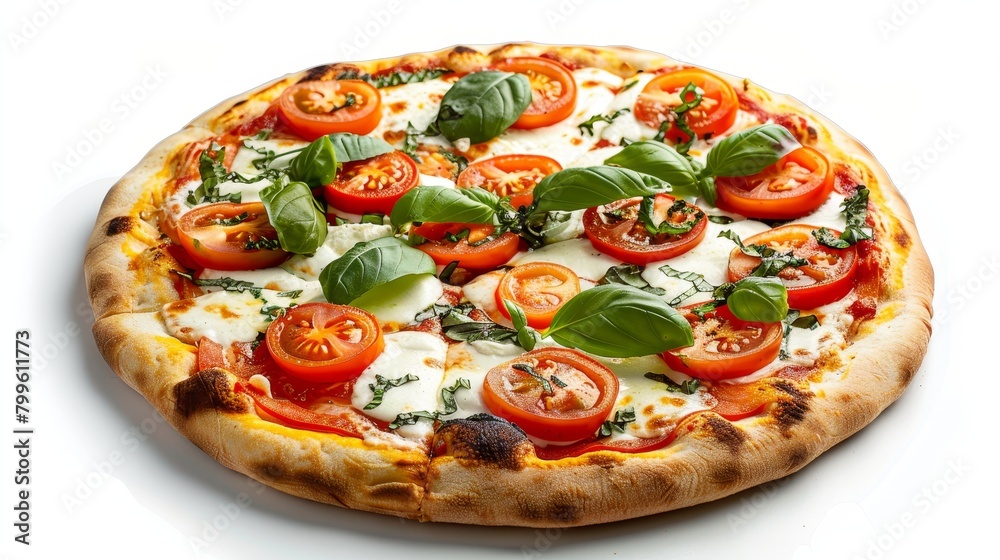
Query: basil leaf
point(660, 161)
point(668, 226)
point(481, 195)
point(721, 220)
point(526, 368)
point(688, 387)
point(370, 264)
point(771, 261)
point(352, 147)
point(296, 216)
point(458, 326)
point(793, 319)
point(698, 283)
point(826, 237)
point(316, 165)
point(578, 188)
point(525, 334)
point(749, 151)
point(482, 105)
point(622, 419)
point(382, 385)
point(763, 300)
point(439, 204)
point(447, 397)
point(587, 126)
point(630, 275)
point(855, 209)
point(619, 322)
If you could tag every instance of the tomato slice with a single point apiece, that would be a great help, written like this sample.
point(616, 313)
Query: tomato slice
point(553, 90)
point(725, 346)
point(828, 277)
point(539, 289)
point(218, 236)
point(312, 109)
point(513, 175)
point(374, 184)
point(570, 409)
point(341, 419)
point(615, 230)
point(714, 115)
point(794, 186)
point(472, 245)
point(324, 341)
point(637, 445)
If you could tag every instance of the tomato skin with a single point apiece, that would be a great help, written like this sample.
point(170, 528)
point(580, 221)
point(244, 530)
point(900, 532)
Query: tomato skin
point(540, 289)
point(372, 185)
point(767, 195)
point(525, 407)
point(223, 247)
point(513, 175)
point(553, 90)
point(315, 108)
point(754, 346)
point(628, 241)
point(808, 286)
point(324, 341)
point(638, 445)
point(713, 116)
point(490, 254)
point(345, 421)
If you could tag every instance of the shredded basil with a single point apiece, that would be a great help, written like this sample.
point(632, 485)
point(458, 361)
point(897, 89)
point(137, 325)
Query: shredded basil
point(688, 387)
point(527, 368)
point(447, 397)
point(622, 418)
point(587, 126)
point(382, 385)
point(771, 261)
point(630, 275)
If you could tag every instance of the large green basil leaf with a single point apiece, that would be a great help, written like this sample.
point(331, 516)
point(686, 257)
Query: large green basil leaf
point(660, 161)
point(316, 165)
point(352, 147)
point(482, 105)
point(749, 151)
point(578, 188)
point(439, 204)
point(619, 321)
point(764, 300)
point(371, 264)
point(295, 215)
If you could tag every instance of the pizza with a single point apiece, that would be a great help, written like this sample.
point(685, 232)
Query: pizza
point(516, 284)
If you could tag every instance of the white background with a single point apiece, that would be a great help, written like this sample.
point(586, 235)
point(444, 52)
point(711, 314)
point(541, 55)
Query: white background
point(917, 83)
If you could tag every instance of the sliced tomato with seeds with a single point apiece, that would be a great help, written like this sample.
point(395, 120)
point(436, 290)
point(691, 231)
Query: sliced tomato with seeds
point(828, 277)
point(555, 394)
point(372, 185)
point(742, 400)
point(336, 419)
point(314, 108)
point(324, 341)
point(474, 246)
point(513, 175)
point(615, 230)
point(553, 90)
point(227, 236)
point(794, 186)
point(725, 346)
point(540, 289)
point(714, 115)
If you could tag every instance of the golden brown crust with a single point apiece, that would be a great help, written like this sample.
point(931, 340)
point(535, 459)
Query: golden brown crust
point(491, 474)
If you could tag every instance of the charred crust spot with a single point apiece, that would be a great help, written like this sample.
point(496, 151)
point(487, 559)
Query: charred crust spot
point(394, 492)
point(316, 73)
point(726, 474)
point(120, 224)
point(484, 438)
point(603, 460)
point(209, 388)
point(238, 103)
point(332, 486)
point(902, 239)
point(726, 433)
point(790, 412)
point(462, 49)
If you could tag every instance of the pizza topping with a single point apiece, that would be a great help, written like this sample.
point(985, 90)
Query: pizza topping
point(708, 103)
point(814, 274)
point(397, 302)
point(228, 236)
point(312, 109)
point(587, 126)
point(553, 90)
point(794, 186)
point(855, 209)
point(335, 418)
point(555, 395)
point(295, 215)
point(372, 185)
point(725, 346)
point(474, 246)
point(325, 342)
point(539, 289)
point(370, 264)
point(481, 105)
point(225, 316)
point(513, 175)
point(212, 172)
point(640, 231)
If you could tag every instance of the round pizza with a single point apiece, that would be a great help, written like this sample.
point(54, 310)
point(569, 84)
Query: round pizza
point(511, 285)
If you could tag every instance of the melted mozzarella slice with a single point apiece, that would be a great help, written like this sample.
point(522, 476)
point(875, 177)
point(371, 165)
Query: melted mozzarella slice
point(828, 215)
point(225, 317)
point(472, 361)
point(270, 278)
point(406, 352)
point(397, 302)
point(415, 103)
point(339, 240)
point(576, 254)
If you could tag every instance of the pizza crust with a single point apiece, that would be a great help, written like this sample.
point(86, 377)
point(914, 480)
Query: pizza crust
point(492, 476)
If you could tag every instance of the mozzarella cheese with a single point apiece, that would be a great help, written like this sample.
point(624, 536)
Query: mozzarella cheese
point(339, 240)
point(224, 316)
point(576, 254)
point(406, 352)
